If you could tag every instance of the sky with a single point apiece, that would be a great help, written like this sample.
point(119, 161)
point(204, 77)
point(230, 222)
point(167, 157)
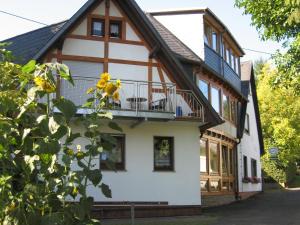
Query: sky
point(52, 11)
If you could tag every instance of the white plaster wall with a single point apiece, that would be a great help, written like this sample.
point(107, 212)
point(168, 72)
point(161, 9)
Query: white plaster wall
point(81, 29)
point(249, 147)
point(130, 34)
point(100, 9)
point(188, 28)
point(128, 72)
point(113, 10)
point(139, 182)
point(83, 48)
point(128, 52)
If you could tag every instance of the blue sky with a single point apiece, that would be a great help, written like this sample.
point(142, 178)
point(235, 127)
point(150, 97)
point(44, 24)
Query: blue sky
point(52, 11)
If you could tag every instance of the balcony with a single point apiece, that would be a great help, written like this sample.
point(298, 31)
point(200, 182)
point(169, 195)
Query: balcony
point(219, 65)
point(140, 99)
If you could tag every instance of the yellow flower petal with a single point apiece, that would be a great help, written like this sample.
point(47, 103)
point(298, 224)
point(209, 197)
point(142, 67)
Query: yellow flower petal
point(105, 76)
point(101, 84)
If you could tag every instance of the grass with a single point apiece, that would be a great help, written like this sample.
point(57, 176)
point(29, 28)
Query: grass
point(199, 220)
point(295, 183)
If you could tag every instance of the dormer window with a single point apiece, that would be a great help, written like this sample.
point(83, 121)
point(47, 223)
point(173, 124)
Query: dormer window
point(98, 27)
point(115, 29)
point(214, 44)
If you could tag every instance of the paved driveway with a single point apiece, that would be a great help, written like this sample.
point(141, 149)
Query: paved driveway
point(270, 208)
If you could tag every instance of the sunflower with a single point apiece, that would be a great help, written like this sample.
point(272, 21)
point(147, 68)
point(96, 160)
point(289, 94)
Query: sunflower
point(105, 76)
point(118, 83)
point(116, 96)
point(110, 89)
point(44, 85)
point(101, 84)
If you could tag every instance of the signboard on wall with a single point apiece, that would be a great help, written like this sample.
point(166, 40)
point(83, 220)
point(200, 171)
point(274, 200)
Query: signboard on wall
point(273, 152)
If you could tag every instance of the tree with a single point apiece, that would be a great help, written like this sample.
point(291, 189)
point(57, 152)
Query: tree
point(279, 20)
point(280, 116)
point(37, 148)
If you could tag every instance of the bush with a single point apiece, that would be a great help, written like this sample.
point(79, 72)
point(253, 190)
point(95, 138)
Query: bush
point(277, 171)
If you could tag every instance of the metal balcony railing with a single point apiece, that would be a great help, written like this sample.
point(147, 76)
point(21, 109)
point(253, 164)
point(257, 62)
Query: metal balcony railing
point(140, 99)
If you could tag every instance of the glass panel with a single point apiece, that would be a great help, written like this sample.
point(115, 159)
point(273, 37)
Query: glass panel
point(207, 32)
point(215, 99)
point(233, 112)
point(237, 65)
point(115, 30)
point(228, 56)
point(254, 168)
point(214, 185)
point(226, 110)
point(245, 163)
point(214, 41)
point(231, 187)
point(204, 185)
point(204, 88)
point(163, 150)
point(203, 156)
point(232, 61)
point(214, 158)
point(225, 160)
point(225, 186)
point(115, 155)
point(231, 161)
point(98, 28)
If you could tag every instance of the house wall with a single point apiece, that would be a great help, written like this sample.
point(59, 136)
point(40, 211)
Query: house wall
point(139, 182)
point(181, 25)
point(249, 147)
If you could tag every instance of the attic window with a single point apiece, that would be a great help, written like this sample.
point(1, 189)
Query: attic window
point(115, 29)
point(98, 28)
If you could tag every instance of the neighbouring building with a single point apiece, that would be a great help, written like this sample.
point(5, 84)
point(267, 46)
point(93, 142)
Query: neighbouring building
point(184, 103)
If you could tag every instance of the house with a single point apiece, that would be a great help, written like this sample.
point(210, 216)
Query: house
point(180, 109)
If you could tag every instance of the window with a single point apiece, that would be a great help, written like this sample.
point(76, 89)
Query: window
point(228, 56)
point(98, 27)
point(214, 37)
point(115, 29)
point(247, 125)
point(226, 107)
point(231, 161)
point(224, 160)
point(114, 159)
point(232, 61)
point(237, 65)
point(163, 153)
point(245, 163)
point(203, 85)
point(215, 99)
point(203, 156)
point(215, 185)
point(233, 112)
point(207, 34)
point(214, 157)
point(204, 185)
point(253, 168)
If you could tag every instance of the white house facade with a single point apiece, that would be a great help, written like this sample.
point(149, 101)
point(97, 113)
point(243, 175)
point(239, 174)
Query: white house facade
point(181, 104)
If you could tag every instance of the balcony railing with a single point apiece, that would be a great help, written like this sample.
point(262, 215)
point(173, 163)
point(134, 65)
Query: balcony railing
point(217, 63)
point(140, 99)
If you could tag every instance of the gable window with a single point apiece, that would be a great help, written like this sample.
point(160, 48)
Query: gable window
point(253, 168)
point(204, 87)
point(98, 27)
point(226, 107)
point(247, 125)
point(203, 156)
point(163, 153)
point(228, 56)
point(115, 158)
point(232, 61)
point(237, 65)
point(215, 99)
point(245, 163)
point(115, 28)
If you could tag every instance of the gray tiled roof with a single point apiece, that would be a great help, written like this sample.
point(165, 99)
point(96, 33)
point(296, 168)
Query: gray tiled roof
point(177, 46)
point(25, 46)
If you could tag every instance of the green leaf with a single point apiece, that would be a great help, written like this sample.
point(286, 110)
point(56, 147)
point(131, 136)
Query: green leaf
point(53, 125)
point(94, 176)
point(106, 190)
point(64, 73)
point(29, 67)
point(67, 107)
point(61, 132)
point(71, 137)
point(115, 126)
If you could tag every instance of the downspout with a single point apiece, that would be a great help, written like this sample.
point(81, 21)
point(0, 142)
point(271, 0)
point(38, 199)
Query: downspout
point(237, 186)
